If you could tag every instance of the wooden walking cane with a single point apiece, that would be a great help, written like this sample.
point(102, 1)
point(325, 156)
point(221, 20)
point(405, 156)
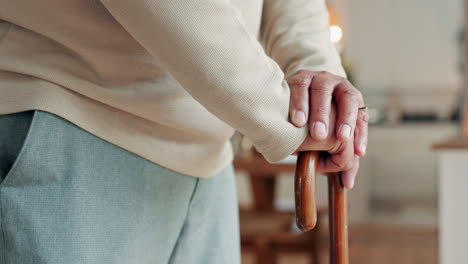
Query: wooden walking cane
point(306, 211)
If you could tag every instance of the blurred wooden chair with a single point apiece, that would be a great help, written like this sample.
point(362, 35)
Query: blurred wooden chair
point(268, 232)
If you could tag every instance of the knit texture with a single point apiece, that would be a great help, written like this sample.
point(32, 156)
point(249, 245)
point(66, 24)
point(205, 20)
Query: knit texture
point(167, 80)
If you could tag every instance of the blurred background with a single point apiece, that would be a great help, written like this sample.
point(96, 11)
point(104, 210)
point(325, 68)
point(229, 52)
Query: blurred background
point(406, 56)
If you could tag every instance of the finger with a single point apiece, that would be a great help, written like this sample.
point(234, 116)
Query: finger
point(361, 133)
point(349, 177)
point(321, 91)
point(349, 100)
point(342, 160)
point(299, 101)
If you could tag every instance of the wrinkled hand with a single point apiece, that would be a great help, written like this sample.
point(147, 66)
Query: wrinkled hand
point(343, 133)
point(341, 154)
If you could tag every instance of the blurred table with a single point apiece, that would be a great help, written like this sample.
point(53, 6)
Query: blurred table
point(262, 176)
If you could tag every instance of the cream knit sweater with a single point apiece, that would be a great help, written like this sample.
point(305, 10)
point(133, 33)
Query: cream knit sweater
point(169, 80)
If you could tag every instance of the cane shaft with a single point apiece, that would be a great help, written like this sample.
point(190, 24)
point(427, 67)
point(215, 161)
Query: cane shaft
point(337, 216)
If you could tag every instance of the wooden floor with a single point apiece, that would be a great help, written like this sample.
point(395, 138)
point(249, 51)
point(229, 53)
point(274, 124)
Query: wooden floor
point(378, 245)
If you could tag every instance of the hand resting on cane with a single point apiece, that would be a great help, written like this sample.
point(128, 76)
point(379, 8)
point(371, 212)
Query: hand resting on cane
point(340, 154)
point(337, 128)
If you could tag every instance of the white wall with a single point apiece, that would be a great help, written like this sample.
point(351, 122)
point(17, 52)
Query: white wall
point(402, 44)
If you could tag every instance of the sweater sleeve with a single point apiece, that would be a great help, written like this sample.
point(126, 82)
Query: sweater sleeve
point(206, 47)
point(295, 33)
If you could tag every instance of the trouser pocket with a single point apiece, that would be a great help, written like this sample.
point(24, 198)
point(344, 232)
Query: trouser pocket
point(15, 133)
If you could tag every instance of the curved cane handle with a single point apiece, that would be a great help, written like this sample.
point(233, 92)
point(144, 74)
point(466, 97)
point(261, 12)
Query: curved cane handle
point(304, 189)
point(306, 210)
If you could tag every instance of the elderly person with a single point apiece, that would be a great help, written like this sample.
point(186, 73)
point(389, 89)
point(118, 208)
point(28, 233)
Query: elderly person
point(116, 117)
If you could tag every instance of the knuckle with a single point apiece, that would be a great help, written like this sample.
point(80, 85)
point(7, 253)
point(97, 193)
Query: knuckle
point(351, 93)
point(349, 89)
point(324, 73)
point(298, 82)
point(320, 91)
point(321, 111)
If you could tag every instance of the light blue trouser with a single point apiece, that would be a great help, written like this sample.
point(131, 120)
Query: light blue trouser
point(69, 197)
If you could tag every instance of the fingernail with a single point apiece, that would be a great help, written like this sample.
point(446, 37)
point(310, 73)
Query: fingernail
point(320, 131)
point(345, 131)
point(300, 118)
point(363, 148)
